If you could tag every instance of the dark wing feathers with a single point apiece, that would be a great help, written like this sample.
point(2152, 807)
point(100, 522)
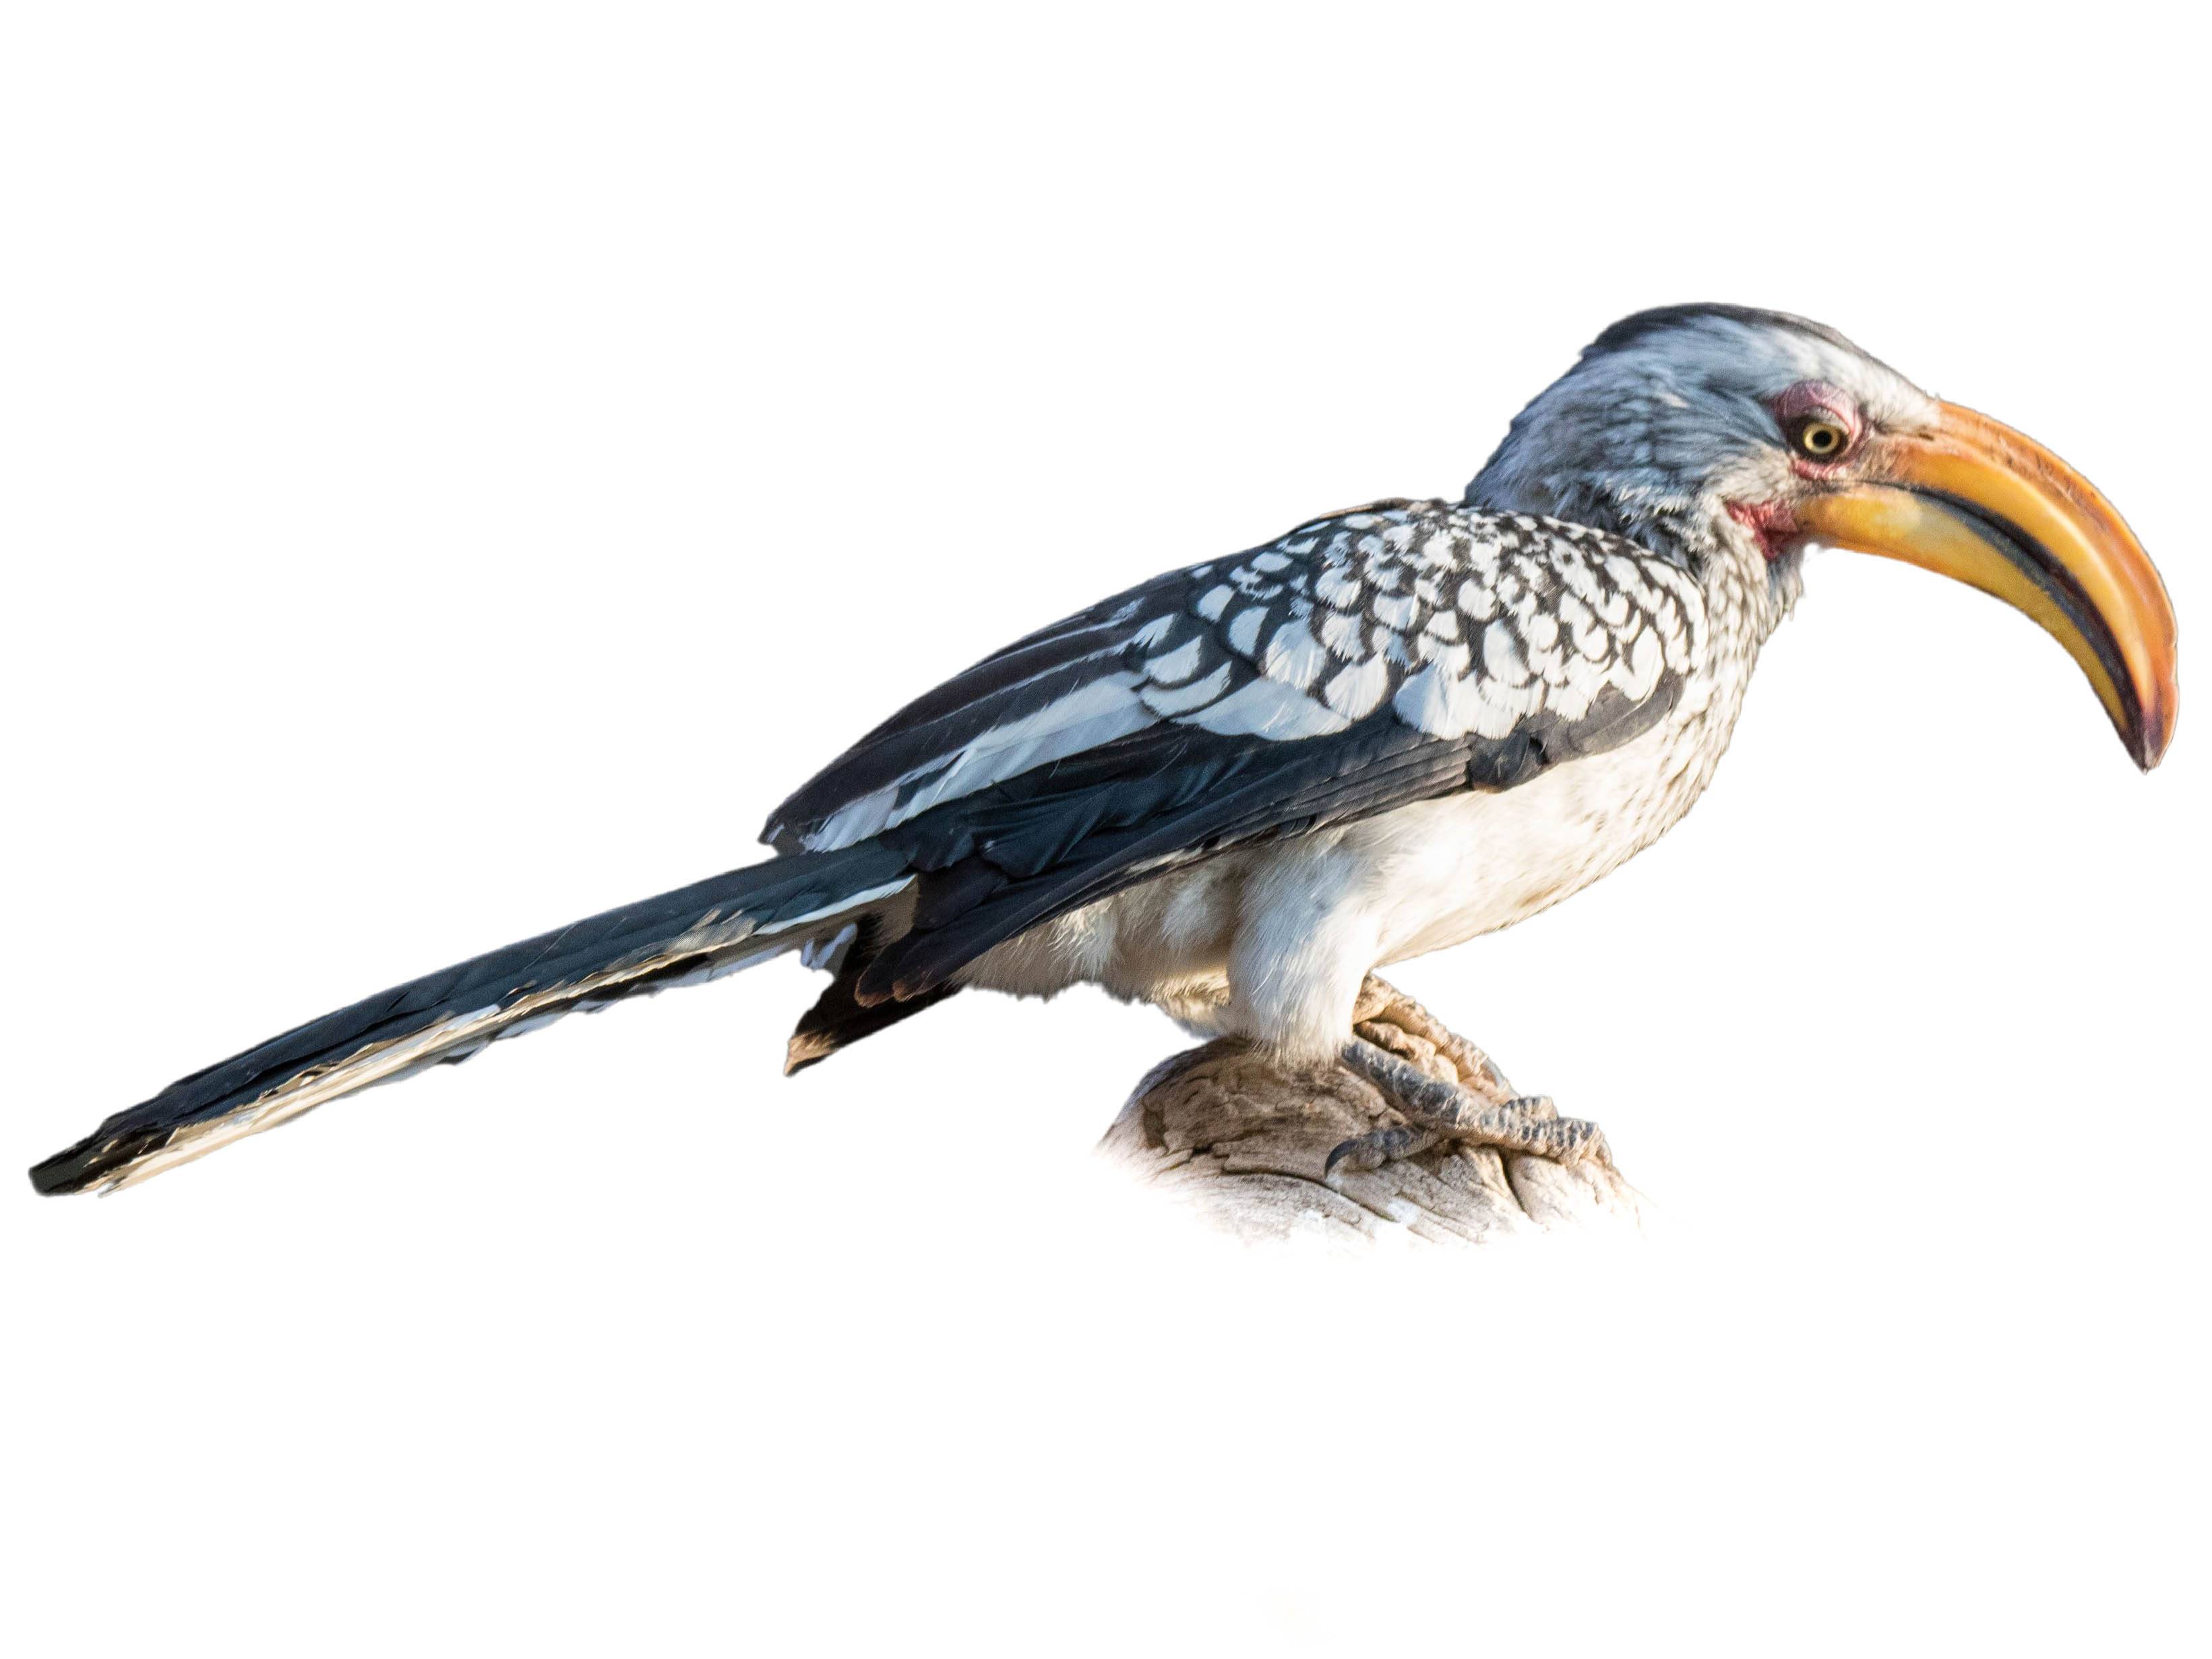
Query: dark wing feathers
point(1007, 686)
point(1099, 837)
point(1191, 811)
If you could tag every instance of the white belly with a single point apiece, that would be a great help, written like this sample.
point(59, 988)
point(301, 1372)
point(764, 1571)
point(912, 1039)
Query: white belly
point(1469, 865)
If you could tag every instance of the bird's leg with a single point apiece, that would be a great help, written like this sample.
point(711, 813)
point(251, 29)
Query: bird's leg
point(1447, 1089)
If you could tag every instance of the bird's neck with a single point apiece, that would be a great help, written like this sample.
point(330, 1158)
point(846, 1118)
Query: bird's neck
point(1695, 533)
point(1747, 596)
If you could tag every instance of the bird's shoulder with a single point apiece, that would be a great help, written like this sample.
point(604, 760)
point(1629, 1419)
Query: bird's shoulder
point(1398, 592)
point(1455, 622)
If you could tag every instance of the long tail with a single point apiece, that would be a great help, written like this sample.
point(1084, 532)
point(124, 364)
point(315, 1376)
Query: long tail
point(694, 934)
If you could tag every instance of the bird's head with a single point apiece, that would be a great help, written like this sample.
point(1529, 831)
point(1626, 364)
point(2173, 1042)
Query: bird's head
point(1738, 437)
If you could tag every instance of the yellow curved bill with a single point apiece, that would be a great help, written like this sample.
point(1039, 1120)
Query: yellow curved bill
point(1986, 506)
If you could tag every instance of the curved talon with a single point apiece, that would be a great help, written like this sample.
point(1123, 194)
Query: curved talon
point(1371, 1151)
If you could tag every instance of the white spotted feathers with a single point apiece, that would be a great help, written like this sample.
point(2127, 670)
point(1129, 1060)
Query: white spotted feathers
point(1457, 622)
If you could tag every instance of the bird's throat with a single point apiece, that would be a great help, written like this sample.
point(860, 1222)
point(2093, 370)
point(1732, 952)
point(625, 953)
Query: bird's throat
point(1770, 523)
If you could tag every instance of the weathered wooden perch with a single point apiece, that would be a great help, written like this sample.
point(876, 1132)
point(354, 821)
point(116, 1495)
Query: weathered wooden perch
point(1243, 1142)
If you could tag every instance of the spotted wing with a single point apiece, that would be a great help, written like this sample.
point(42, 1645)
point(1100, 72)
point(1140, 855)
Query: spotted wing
point(1454, 622)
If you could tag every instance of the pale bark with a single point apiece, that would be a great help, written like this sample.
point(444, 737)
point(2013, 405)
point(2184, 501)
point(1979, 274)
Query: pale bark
point(1244, 1143)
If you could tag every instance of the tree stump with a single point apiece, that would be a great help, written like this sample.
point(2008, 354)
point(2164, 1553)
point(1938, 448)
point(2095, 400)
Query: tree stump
point(1243, 1143)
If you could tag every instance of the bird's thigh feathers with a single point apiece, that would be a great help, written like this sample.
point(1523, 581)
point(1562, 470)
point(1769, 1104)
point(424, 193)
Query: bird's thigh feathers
point(1269, 944)
point(1310, 931)
point(1165, 941)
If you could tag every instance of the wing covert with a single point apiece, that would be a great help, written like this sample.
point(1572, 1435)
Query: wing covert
point(1452, 624)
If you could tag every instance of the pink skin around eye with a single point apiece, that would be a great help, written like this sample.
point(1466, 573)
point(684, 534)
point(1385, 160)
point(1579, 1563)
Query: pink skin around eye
point(1818, 397)
point(1773, 522)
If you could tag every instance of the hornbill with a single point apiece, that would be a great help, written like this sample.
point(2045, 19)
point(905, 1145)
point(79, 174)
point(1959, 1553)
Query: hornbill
point(1236, 790)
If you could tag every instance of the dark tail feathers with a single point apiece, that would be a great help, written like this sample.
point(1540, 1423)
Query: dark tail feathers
point(695, 933)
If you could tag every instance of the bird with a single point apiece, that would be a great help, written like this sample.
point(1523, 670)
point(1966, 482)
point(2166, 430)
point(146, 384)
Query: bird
point(1238, 790)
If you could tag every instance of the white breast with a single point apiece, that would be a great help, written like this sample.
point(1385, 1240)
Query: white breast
point(1469, 864)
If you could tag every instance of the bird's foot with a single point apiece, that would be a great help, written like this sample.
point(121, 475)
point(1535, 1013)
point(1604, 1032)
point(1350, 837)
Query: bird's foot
point(1437, 1111)
point(1391, 1020)
point(1446, 1089)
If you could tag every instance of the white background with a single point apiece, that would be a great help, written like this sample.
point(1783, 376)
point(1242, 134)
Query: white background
point(464, 464)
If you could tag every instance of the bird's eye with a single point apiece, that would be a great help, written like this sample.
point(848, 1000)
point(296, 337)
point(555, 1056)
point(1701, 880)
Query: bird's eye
point(1819, 438)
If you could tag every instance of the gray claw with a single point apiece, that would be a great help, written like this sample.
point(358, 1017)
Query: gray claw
point(1365, 1153)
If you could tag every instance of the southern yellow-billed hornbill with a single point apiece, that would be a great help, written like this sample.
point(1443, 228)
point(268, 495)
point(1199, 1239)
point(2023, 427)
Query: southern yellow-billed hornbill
point(1236, 790)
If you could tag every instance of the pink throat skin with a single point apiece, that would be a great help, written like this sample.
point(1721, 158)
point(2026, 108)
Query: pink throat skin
point(1773, 522)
